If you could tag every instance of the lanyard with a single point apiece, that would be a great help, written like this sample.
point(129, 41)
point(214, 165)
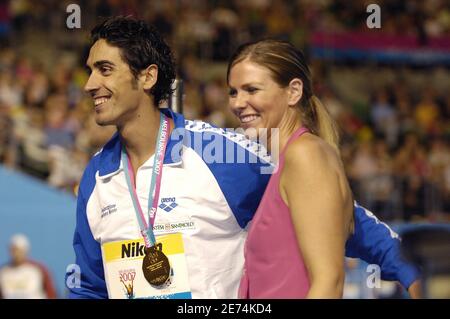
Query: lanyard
point(155, 185)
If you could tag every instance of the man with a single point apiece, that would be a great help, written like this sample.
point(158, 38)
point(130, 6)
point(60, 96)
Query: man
point(161, 213)
point(24, 278)
point(208, 203)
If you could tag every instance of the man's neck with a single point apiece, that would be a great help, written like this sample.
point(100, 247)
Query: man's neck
point(16, 263)
point(139, 134)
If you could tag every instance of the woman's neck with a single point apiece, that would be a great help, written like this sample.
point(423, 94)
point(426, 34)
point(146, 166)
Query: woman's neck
point(278, 139)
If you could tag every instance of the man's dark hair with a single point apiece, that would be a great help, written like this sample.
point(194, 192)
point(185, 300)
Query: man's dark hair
point(141, 45)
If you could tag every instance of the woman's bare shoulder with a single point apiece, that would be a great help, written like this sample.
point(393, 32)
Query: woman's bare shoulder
point(310, 151)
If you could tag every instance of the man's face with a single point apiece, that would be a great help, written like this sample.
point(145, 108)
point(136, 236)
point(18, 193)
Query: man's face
point(18, 254)
point(116, 93)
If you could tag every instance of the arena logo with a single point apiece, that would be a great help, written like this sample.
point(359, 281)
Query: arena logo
point(168, 203)
point(73, 21)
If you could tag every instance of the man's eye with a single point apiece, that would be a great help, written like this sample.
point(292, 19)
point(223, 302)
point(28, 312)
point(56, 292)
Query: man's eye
point(105, 70)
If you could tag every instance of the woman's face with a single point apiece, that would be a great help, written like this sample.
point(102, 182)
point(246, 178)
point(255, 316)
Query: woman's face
point(255, 98)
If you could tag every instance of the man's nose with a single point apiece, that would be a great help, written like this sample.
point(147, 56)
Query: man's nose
point(92, 83)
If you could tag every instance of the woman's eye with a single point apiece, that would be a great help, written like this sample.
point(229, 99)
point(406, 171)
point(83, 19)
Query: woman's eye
point(252, 90)
point(232, 92)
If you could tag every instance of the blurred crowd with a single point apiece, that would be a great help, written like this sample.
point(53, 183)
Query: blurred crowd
point(395, 131)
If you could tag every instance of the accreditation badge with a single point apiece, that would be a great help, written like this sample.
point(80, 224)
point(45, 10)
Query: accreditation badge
point(134, 272)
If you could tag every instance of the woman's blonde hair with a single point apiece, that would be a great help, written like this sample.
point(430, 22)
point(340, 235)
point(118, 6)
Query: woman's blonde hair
point(286, 63)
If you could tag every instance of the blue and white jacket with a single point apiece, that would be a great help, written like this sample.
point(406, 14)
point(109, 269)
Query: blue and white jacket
point(207, 195)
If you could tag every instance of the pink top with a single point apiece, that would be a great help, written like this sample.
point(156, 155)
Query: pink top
point(274, 266)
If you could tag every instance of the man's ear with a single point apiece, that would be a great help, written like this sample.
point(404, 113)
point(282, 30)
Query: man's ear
point(295, 91)
point(149, 76)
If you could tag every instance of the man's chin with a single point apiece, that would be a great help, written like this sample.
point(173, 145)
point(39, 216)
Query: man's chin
point(103, 122)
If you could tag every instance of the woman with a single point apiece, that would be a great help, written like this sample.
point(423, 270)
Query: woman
point(296, 243)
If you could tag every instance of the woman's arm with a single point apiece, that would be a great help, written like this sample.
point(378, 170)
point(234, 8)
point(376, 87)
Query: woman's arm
point(314, 187)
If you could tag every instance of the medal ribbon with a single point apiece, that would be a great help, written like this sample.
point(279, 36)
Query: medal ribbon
point(155, 185)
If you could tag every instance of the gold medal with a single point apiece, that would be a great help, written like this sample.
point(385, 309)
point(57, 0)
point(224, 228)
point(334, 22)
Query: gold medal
point(156, 266)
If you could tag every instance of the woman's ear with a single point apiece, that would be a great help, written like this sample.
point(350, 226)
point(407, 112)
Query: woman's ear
point(295, 91)
point(149, 76)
